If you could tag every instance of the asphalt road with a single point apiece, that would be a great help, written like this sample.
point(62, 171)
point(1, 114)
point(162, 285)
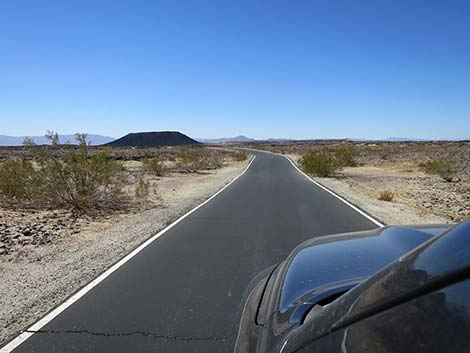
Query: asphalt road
point(182, 292)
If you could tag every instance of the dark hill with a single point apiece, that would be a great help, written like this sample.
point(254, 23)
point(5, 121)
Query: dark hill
point(153, 139)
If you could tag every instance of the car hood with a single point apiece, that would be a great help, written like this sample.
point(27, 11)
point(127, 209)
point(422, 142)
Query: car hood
point(434, 264)
point(333, 264)
point(318, 271)
point(327, 265)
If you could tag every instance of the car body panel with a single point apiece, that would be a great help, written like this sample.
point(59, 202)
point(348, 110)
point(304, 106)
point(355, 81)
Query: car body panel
point(318, 270)
point(423, 297)
point(436, 322)
point(344, 259)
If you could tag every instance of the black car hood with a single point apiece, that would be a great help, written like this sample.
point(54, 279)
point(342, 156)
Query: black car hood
point(318, 271)
point(441, 261)
point(325, 265)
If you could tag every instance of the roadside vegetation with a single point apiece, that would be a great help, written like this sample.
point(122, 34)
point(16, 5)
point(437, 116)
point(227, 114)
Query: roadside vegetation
point(154, 166)
point(443, 167)
point(191, 159)
point(92, 180)
point(64, 177)
point(327, 162)
point(195, 159)
point(345, 156)
point(385, 196)
point(240, 156)
point(384, 152)
point(320, 163)
point(142, 190)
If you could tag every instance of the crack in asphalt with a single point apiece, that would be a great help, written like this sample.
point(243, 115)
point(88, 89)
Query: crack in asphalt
point(132, 333)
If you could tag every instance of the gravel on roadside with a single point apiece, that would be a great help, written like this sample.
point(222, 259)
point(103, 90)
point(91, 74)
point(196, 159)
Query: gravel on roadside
point(389, 213)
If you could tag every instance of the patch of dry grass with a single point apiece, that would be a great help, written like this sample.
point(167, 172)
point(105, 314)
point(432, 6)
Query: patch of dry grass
point(385, 196)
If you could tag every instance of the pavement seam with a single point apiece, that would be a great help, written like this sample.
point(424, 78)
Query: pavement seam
point(132, 333)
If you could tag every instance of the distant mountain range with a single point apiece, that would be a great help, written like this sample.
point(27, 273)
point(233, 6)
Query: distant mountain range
point(273, 139)
point(239, 138)
point(153, 139)
point(401, 139)
point(405, 139)
point(242, 138)
point(41, 140)
point(171, 138)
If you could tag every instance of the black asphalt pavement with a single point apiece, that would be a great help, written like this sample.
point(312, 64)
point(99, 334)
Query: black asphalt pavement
point(182, 292)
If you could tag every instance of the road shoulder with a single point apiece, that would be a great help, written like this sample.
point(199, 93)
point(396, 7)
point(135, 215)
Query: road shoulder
point(390, 213)
point(33, 285)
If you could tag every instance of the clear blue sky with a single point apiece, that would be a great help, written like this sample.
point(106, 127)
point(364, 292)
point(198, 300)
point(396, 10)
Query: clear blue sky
point(292, 68)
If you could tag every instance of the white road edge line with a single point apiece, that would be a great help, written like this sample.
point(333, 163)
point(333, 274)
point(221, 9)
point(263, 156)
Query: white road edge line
point(357, 209)
point(13, 344)
point(369, 217)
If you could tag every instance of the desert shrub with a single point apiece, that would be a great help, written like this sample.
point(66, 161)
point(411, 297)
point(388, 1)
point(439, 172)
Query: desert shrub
point(444, 167)
point(18, 179)
point(384, 152)
point(192, 159)
point(68, 177)
point(240, 156)
point(142, 190)
point(153, 165)
point(345, 156)
point(321, 163)
point(213, 161)
point(385, 196)
point(77, 179)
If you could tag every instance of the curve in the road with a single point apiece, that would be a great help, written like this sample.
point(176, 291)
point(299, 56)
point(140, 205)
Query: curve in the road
point(182, 291)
